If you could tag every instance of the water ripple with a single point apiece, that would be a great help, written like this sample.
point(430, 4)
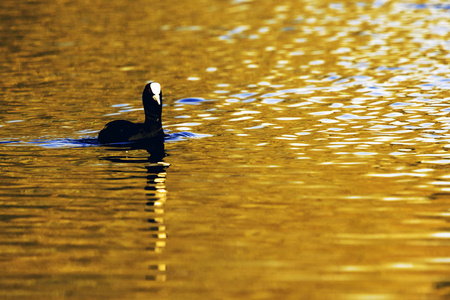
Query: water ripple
point(191, 101)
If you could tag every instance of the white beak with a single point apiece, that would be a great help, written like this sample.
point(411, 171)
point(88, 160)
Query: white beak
point(157, 99)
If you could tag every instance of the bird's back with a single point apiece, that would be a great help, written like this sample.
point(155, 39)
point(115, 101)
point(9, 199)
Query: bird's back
point(118, 131)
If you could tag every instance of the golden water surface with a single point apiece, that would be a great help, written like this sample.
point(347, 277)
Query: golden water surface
point(307, 155)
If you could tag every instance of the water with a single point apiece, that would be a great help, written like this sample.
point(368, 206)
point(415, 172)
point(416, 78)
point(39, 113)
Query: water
point(306, 153)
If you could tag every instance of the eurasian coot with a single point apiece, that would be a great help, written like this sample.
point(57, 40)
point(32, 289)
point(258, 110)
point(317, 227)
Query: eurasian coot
point(125, 131)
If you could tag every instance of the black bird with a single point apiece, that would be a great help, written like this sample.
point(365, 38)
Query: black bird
point(125, 131)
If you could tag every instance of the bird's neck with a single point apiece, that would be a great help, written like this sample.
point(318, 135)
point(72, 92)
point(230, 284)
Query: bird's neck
point(152, 122)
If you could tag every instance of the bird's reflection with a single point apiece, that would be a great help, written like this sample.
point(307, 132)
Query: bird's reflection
point(155, 192)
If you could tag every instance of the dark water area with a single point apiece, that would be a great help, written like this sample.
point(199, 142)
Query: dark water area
point(305, 157)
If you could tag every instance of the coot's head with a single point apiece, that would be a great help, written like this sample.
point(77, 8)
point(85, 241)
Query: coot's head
point(152, 100)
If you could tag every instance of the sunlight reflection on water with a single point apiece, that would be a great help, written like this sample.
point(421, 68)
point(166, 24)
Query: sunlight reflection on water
point(322, 160)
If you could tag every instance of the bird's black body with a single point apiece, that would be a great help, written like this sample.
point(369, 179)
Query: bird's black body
point(121, 131)
point(125, 131)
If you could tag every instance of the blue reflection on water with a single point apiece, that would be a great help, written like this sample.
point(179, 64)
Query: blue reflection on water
point(243, 95)
point(425, 6)
point(93, 142)
point(191, 101)
point(401, 104)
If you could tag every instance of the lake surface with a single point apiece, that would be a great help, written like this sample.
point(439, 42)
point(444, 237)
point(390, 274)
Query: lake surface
point(307, 154)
